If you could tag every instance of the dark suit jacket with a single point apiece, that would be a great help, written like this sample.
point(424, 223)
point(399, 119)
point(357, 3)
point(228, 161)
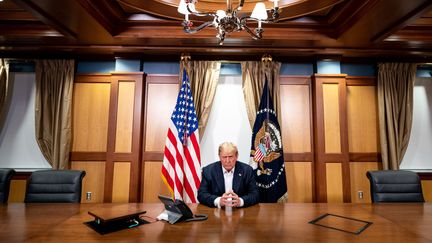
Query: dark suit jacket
point(213, 186)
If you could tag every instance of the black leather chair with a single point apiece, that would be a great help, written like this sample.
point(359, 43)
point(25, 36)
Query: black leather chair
point(5, 179)
point(54, 186)
point(395, 186)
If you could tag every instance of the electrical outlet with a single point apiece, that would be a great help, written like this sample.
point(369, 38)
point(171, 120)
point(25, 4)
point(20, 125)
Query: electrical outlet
point(360, 194)
point(88, 196)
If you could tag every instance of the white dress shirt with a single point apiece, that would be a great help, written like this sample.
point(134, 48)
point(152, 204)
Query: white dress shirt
point(228, 181)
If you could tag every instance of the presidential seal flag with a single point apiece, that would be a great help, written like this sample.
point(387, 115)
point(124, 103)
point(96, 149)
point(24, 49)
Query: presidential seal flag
point(181, 168)
point(266, 155)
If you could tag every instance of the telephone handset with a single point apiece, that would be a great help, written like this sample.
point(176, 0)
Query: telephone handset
point(178, 211)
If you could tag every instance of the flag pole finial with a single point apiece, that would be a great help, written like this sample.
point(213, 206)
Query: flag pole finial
point(266, 58)
point(185, 57)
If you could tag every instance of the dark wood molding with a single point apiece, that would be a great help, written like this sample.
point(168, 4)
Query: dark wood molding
point(77, 28)
point(22, 175)
point(288, 157)
point(298, 157)
point(351, 13)
point(343, 121)
point(152, 156)
point(162, 79)
point(137, 126)
point(106, 13)
point(112, 123)
point(45, 16)
point(88, 156)
point(424, 176)
point(329, 78)
point(294, 80)
point(318, 133)
point(365, 157)
point(312, 139)
point(403, 21)
point(361, 81)
point(93, 78)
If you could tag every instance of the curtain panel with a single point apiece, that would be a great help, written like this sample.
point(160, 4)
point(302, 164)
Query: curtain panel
point(5, 90)
point(254, 74)
point(395, 110)
point(54, 85)
point(203, 77)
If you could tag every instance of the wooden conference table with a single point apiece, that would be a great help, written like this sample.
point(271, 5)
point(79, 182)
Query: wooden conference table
point(261, 223)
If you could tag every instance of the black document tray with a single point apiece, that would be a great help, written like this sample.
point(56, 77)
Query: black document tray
point(113, 219)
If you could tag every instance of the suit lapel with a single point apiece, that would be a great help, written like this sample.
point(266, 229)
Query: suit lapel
point(238, 174)
point(220, 178)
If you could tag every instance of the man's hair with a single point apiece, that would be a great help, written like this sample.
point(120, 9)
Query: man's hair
point(228, 146)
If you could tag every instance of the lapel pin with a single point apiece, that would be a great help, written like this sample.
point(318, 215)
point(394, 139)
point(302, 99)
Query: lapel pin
point(239, 174)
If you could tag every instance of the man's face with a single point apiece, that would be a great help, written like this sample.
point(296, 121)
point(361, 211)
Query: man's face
point(228, 159)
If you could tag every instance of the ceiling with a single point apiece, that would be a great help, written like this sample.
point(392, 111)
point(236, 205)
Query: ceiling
point(394, 29)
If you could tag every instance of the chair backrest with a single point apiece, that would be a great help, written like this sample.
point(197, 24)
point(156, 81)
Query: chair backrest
point(395, 186)
point(5, 179)
point(54, 186)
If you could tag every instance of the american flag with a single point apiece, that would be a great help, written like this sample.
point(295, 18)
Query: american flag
point(181, 169)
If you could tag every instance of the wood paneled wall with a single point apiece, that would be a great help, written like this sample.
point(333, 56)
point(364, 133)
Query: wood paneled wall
point(346, 136)
point(107, 135)
point(296, 126)
point(160, 99)
point(363, 134)
point(329, 128)
point(328, 122)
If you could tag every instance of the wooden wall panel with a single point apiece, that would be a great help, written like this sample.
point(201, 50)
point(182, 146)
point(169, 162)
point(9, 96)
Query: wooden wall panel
point(359, 181)
point(363, 132)
point(299, 180)
point(90, 119)
point(153, 184)
point(121, 180)
point(334, 182)
point(93, 180)
point(295, 112)
point(331, 118)
point(161, 100)
point(17, 191)
point(125, 112)
point(427, 190)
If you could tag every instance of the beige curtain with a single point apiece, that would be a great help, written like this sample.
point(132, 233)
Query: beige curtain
point(395, 104)
point(4, 90)
point(253, 75)
point(204, 77)
point(54, 84)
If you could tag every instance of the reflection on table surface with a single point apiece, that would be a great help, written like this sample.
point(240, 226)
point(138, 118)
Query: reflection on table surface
point(260, 223)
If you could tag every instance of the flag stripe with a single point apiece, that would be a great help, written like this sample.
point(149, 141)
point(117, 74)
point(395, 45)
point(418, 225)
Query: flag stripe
point(191, 166)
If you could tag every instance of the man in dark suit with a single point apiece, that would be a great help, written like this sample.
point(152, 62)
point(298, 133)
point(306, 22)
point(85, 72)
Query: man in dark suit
point(228, 182)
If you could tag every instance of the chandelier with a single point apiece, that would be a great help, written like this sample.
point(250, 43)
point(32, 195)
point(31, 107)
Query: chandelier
point(227, 21)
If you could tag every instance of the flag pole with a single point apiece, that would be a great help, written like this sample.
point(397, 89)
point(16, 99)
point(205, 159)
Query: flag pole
point(185, 135)
point(267, 103)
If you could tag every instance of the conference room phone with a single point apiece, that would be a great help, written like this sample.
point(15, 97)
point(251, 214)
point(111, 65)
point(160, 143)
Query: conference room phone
point(178, 211)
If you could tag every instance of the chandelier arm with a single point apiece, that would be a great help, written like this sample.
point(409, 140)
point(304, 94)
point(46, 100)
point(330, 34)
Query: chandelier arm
point(200, 14)
point(267, 21)
point(189, 30)
point(239, 6)
point(255, 35)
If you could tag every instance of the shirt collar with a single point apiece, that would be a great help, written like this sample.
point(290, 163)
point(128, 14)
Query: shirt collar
point(229, 172)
